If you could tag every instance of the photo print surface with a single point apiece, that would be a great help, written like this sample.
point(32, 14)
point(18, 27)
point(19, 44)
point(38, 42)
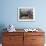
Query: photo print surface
point(26, 14)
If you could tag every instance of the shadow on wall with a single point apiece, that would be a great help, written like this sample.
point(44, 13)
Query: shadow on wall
point(2, 26)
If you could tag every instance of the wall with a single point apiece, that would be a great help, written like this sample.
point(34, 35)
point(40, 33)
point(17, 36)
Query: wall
point(9, 13)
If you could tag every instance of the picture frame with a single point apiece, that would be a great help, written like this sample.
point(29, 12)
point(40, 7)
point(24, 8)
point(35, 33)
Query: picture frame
point(26, 14)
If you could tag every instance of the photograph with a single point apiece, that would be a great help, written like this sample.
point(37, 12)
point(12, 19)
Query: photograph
point(22, 23)
point(26, 14)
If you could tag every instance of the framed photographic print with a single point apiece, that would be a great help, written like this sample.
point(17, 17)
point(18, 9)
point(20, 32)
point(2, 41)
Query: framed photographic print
point(26, 14)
